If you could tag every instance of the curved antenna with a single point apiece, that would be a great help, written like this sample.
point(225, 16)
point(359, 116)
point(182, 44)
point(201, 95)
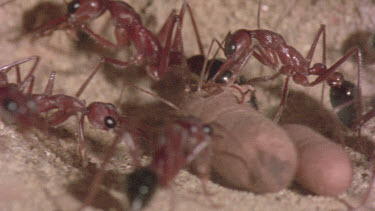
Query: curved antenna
point(169, 103)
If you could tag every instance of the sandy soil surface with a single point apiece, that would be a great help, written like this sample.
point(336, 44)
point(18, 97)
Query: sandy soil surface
point(43, 172)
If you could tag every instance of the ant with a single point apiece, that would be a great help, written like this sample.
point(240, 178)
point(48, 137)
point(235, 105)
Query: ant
point(186, 141)
point(270, 49)
point(26, 110)
point(129, 29)
point(101, 115)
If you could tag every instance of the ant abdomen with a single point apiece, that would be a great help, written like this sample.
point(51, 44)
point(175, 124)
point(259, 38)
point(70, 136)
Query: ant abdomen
point(343, 101)
point(140, 187)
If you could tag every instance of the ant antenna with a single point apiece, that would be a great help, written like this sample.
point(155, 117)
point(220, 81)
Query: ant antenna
point(172, 105)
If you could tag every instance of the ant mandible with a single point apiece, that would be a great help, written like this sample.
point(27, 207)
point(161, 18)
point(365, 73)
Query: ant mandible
point(129, 29)
point(101, 115)
point(270, 49)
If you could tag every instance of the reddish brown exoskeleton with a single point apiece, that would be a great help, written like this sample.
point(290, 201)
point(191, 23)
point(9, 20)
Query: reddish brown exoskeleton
point(19, 107)
point(185, 142)
point(128, 30)
point(270, 49)
point(101, 115)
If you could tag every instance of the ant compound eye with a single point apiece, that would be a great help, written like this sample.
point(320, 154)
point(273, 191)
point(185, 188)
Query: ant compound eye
point(109, 122)
point(10, 105)
point(73, 6)
point(224, 78)
point(208, 129)
point(230, 47)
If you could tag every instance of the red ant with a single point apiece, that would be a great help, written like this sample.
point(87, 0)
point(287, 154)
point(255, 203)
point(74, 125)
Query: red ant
point(129, 29)
point(270, 49)
point(101, 115)
point(184, 142)
point(25, 109)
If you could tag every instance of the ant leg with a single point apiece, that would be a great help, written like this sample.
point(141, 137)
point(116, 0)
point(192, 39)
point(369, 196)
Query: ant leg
point(282, 102)
point(170, 104)
point(28, 81)
point(205, 71)
point(31, 86)
point(200, 45)
point(322, 30)
point(162, 35)
point(100, 174)
point(81, 146)
point(177, 44)
point(100, 39)
point(16, 63)
point(163, 66)
point(18, 74)
point(47, 28)
point(263, 78)
point(114, 62)
point(323, 74)
point(49, 87)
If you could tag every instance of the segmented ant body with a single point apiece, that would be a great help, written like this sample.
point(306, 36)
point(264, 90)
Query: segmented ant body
point(18, 107)
point(128, 29)
point(186, 141)
point(101, 115)
point(29, 108)
point(271, 50)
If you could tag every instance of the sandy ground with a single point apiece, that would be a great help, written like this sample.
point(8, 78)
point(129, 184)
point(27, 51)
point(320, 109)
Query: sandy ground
point(43, 172)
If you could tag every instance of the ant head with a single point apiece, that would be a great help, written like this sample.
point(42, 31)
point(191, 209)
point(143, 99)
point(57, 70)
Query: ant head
point(103, 115)
point(140, 187)
point(85, 10)
point(236, 44)
point(16, 107)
